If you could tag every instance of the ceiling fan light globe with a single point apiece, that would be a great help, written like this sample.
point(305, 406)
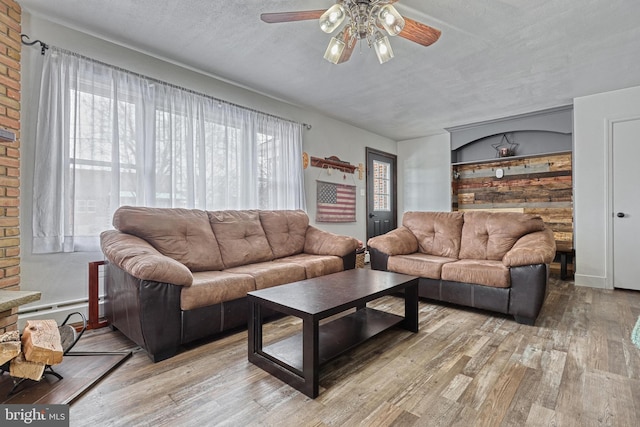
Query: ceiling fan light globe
point(332, 18)
point(391, 20)
point(383, 49)
point(334, 50)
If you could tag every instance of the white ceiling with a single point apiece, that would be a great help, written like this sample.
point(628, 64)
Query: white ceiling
point(495, 58)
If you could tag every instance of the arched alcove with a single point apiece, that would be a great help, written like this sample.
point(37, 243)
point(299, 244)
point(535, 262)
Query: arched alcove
point(537, 178)
point(525, 143)
point(548, 131)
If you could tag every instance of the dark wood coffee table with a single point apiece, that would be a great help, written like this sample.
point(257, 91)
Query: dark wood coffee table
point(297, 360)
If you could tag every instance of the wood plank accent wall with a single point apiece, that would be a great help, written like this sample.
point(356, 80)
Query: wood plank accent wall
point(539, 185)
point(10, 51)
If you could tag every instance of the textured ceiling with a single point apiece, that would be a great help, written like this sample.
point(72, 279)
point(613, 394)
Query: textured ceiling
point(495, 58)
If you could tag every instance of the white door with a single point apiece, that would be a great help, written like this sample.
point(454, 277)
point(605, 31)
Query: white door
point(626, 204)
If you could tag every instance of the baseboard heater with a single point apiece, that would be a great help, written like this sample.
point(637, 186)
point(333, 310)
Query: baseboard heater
point(57, 311)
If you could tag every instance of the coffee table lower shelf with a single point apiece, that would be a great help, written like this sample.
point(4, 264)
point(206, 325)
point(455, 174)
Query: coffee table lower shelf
point(335, 338)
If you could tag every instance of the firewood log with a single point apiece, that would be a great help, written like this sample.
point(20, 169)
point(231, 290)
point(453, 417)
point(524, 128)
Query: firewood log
point(41, 342)
point(9, 350)
point(10, 346)
point(10, 336)
point(21, 368)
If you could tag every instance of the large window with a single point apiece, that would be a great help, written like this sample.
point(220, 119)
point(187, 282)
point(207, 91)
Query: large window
point(107, 138)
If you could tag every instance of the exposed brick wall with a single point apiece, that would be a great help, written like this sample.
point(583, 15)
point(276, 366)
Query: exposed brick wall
point(10, 48)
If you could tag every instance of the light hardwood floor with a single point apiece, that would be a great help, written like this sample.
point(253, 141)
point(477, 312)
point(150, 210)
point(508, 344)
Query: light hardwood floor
point(576, 367)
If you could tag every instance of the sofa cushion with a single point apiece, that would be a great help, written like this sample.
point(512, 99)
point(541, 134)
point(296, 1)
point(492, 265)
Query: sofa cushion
point(285, 231)
point(240, 237)
point(182, 234)
point(438, 233)
point(213, 287)
point(490, 235)
point(316, 265)
point(417, 264)
point(268, 274)
point(479, 272)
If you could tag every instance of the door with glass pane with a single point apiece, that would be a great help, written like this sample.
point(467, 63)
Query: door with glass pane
point(381, 192)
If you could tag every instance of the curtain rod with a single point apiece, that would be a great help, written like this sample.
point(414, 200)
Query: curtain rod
point(25, 41)
point(44, 47)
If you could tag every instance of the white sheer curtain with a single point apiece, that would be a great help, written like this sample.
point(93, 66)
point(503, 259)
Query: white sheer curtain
point(107, 137)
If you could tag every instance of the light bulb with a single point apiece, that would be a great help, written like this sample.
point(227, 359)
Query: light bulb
point(389, 18)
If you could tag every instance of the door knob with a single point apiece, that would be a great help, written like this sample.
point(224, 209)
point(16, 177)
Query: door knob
point(620, 214)
point(371, 215)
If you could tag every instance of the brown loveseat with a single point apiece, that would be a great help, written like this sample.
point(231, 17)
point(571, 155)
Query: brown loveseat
point(177, 275)
point(490, 260)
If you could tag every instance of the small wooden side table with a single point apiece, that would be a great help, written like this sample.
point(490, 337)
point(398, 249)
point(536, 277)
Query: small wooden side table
point(567, 256)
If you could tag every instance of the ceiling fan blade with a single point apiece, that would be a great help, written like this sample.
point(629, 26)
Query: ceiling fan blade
point(419, 32)
point(347, 38)
point(301, 15)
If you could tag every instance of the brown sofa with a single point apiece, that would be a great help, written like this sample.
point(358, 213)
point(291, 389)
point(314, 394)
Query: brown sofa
point(177, 275)
point(496, 261)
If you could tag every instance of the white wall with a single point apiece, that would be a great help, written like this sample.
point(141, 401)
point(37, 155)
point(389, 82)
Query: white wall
point(63, 277)
point(331, 138)
point(591, 181)
point(424, 174)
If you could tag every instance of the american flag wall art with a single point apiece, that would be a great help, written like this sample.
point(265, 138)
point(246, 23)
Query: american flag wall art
point(335, 202)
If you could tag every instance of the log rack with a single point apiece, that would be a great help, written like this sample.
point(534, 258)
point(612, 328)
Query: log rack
point(72, 335)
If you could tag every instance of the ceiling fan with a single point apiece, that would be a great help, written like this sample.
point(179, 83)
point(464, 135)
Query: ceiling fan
point(370, 20)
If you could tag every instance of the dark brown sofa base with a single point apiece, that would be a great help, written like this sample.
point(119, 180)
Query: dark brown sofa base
point(217, 319)
point(149, 313)
point(136, 308)
point(523, 300)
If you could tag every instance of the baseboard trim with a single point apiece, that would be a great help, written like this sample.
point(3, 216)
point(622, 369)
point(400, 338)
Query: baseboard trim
point(590, 281)
point(59, 314)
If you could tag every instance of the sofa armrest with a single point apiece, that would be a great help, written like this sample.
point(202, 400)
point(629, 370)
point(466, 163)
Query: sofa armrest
point(378, 260)
point(528, 292)
point(319, 242)
point(400, 241)
point(533, 248)
point(141, 260)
